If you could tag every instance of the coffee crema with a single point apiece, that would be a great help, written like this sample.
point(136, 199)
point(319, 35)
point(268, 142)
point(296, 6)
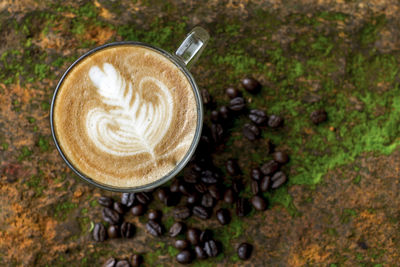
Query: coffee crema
point(125, 116)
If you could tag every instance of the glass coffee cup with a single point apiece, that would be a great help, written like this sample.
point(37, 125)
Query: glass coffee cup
point(127, 116)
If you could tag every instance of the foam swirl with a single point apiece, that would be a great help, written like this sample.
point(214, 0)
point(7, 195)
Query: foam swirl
point(134, 125)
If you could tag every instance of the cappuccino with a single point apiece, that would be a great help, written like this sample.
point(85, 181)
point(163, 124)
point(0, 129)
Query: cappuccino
point(125, 115)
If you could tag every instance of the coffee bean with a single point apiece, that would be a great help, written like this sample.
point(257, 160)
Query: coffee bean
point(206, 97)
point(244, 251)
point(229, 196)
point(209, 177)
point(255, 188)
point(110, 262)
point(113, 231)
point(223, 114)
point(265, 183)
point(200, 187)
point(223, 216)
point(232, 167)
point(172, 199)
point(181, 244)
point(193, 198)
point(191, 176)
point(176, 229)
point(138, 210)
point(105, 201)
point(99, 232)
point(280, 157)
point(154, 228)
point(118, 207)
point(185, 189)
point(123, 263)
point(207, 201)
point(256, 174)
point(237, 104)
point(162, 194)
point(251, 85)
point(200, 253)
point(270, 167)
point(318, 116)
point(181, 213)
point(215, 191)
point(278, 179)
point(128, 199)
point(201, 212)
point(144, 198)
point(258, 116)
point(251, 132)
point(206, 235)
point(127, 229)
point(217, 132)
point(136, 260)
point(211, 248)
point(174, 186)
point(111, 216)
point(274, 121)
point(242, 207)
point(232, 92)
point(154, 215)
point(184, 257)
point(259, 203)
point(214, 116)
point(237, 186)
point(193, 235)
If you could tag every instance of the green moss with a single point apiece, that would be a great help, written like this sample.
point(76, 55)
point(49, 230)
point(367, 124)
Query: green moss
point(347, 215)
point(43, 144)
point(369, 32)
point(4, 145)
point(94, 203)
point(172, 251)
point(35, 182)
point(357, 179)
point(61, 210)
point(25, 153)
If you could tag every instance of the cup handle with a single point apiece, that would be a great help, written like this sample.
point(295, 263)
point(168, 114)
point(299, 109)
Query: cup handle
point(191, 48)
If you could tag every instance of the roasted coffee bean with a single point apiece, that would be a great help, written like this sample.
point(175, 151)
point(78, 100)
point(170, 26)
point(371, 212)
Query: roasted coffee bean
point(280, 157)
point(265, 183)
point(138, 210)
point(258, 116)
point(318, 116)
point(256, 174)
point(128, 199)
point(127, 229)
point(223, 216)
point(181, 244)
point(99, 232)
point(232, 92)
point(143, 198)
point(200, 253)
point(237, 186)
point(200, 187)
point(184, 257)
point(136, 260)
point(111, 216)
point(193, 198)
point(259, 203)
point(217, 132)
point(214, 116)
point(113, 231)
point(270, 167)
point(237, 104)
point(278, 179)
point(215, 191)
point(201, 212)
point(251, 132)
point(154, 215)
point(176, 229)
point(206, 235)
point(123, 263)
point(118, 207)
point(211, 248)
point(209, 177)
point(174, 186)
point(172, 199)
point(244, 251)
point(162, 194)
point(193, 235)
point(255, 188)
point(207, 201)
point(105, 201)
point(274, 121)
point(110, 262)
point(206, 97)
point(182, 212)
point(185, 189)
point(154, 228)
point(223, 113)
point(198, 167)
point(251, 85)
point(242, 207)
point(232, 167)
point(191, 176)
point(229, 196)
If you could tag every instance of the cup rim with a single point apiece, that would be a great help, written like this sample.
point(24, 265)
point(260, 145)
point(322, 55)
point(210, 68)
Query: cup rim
point(189, 153)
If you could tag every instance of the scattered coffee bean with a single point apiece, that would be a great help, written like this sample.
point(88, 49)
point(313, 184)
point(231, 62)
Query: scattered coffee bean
point(185, 189)
point(111, 216)
point(138, 210)
point(123, 263)
point(244, 251)
point(258, 116)
point(237, 186)
point(318, 116)
point(209, 177)
point(255, 188)
point(110, 262)
point(143, 198)
point(237, 104)
point(136, 260)
point(215, 191)
point(206, 235)
point(232, 92)
point(274, 121)
point(193, 198)
point(223, 216)
point(105, 201)
point(162, 194)
point(201, 188)
point(181, 244)
point(127, 199)
point(201, 212)
point(118, 207)
point(278, 179)
point(265, 183)
point(193, 235)
point(207, 201)
point(223, 113)
point(214, 116)
point(251, 132)
point(191, 176)
point(206, 97)
point(256, 174)
point(113, 231)
point(172, 199)
point(242, 207)
point(154, 215)
point(176, 229)
point(127, 229)
point(259, 203)
point(99, 232)
point(211, 248)
point(154, 228)
point(229, 196)
point(200, 253)
point(174, 186)
point(181, 213)
point(270, 167)
point(217, 132)
point(251, 85)
point(184, 257)
point(280, 157)
point(232, 167)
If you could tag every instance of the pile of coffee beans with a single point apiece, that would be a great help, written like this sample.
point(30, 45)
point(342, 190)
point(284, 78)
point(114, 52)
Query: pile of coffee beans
point(135, 261)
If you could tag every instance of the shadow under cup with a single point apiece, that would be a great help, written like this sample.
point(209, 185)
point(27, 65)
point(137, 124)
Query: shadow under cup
point(199, 108)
